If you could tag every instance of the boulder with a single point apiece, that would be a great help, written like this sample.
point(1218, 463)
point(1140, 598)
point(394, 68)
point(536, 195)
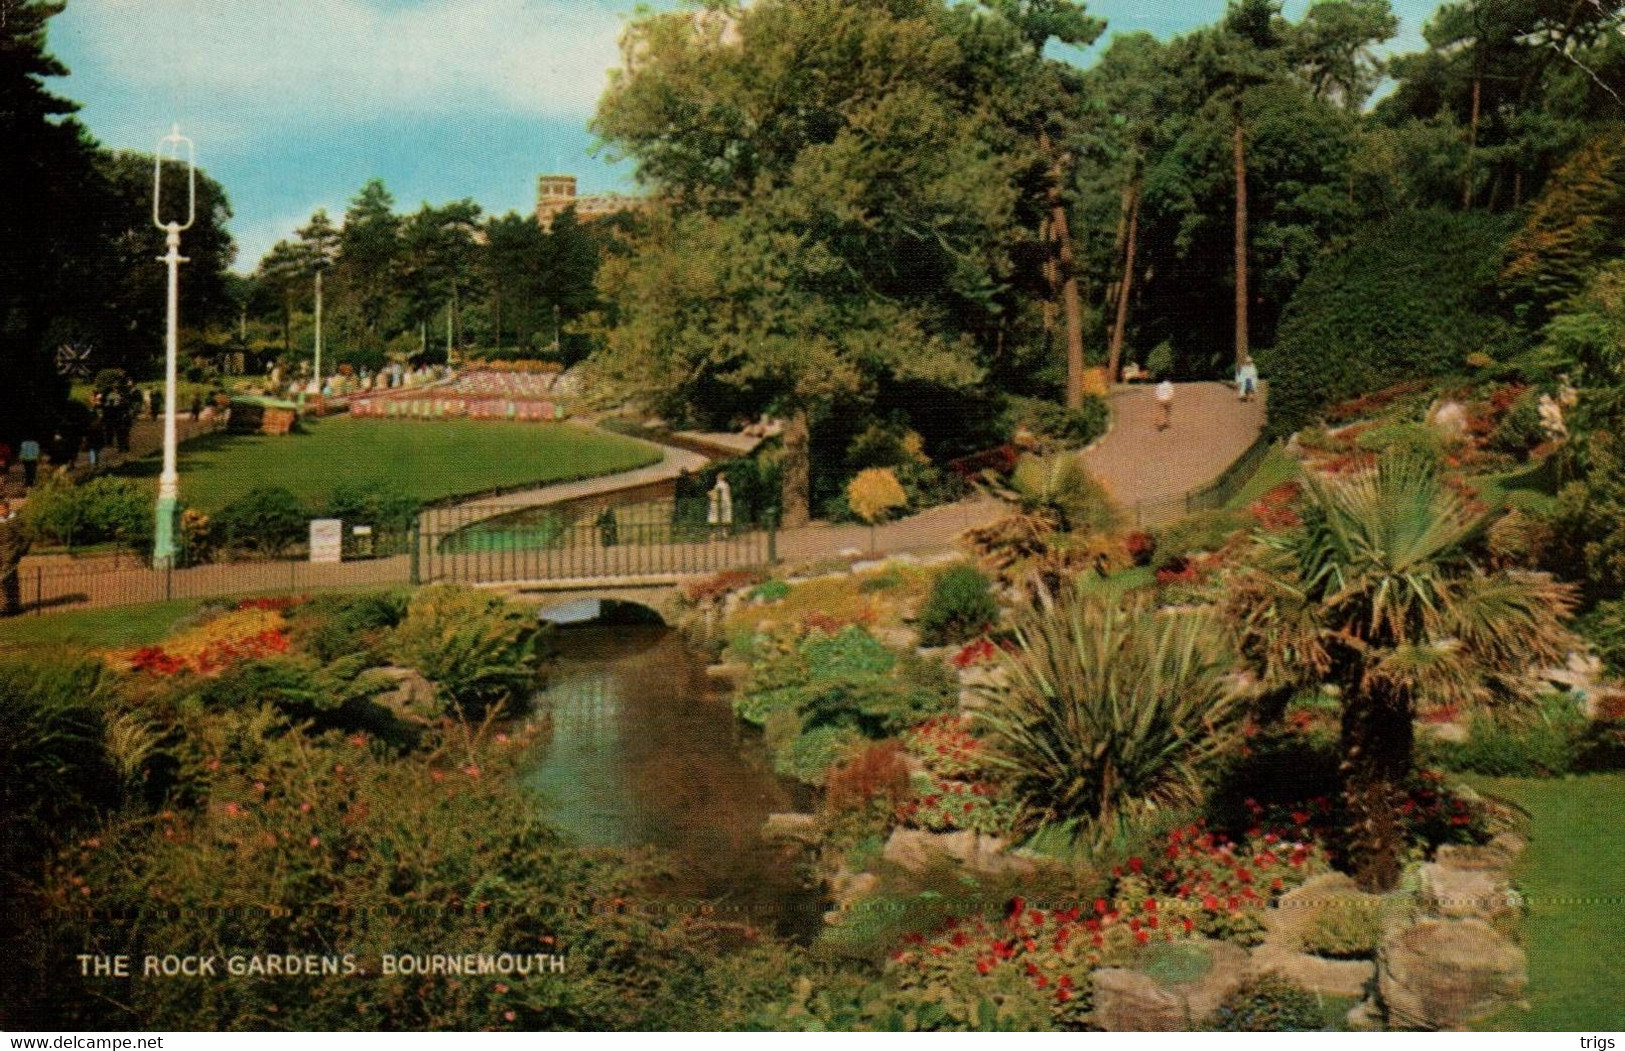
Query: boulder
point(915, 850)
point(1449, 890)
point(849, 887)
point(410, 696)
point(1445, 974)
point(1129, 1001)
point(1315, 973)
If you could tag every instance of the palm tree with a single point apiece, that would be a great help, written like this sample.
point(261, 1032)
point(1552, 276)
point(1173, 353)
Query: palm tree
point(1108, 712)
point(1378, 594)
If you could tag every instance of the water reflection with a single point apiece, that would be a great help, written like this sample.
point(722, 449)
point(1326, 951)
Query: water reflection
point(644, 752)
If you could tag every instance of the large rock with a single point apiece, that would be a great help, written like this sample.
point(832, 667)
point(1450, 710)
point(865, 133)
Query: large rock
point(1315, 973)
point(411, 697)
point(1141, 1001)
point(1458, 891)
point(916, 850)
point(1132, 1002)
point(1445, 974)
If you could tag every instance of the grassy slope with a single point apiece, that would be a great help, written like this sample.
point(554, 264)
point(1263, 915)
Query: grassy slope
point(1574, 878)
point(427, 460)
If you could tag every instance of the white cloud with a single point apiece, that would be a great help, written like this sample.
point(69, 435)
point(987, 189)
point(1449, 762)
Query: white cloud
point(351, 58)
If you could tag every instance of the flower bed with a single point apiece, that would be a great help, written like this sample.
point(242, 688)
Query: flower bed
point(254, 630)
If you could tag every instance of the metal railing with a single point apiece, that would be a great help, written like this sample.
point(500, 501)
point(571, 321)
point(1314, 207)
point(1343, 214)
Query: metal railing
point(1210, 497)
point(662, 538)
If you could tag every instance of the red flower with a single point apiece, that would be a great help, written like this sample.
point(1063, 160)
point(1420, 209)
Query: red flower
point(1142, 937)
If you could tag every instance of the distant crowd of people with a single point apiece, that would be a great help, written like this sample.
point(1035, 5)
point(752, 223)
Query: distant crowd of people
point(354, 381)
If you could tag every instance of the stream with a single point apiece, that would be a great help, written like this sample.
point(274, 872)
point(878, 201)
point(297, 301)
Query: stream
point(644, 751)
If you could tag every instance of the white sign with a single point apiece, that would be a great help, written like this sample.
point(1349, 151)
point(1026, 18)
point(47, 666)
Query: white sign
point(326, 540)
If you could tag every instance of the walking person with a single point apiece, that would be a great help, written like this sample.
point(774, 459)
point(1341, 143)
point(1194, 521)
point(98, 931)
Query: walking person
point(148, 403)
point(1165, 401)
point(28, 453)
point(197, 407)
point(1247, 379)
point(93, 443)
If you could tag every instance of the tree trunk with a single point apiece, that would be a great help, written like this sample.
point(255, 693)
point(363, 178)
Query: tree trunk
point(1070, 303)
point(496, 303)
point(1052, 281)
point(1377, 740)
point(1472, 147)
point(1066, 274)
point(797, 471)
point(1239, 149)
point(1125, 286)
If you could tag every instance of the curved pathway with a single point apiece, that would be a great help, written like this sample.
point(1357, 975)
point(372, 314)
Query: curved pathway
point(1141, 464)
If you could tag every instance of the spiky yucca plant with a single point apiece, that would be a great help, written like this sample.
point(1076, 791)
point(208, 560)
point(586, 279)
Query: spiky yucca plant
point(1108, 712)
point(1377, 592)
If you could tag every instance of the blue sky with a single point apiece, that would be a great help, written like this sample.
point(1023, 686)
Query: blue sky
point(295, 103)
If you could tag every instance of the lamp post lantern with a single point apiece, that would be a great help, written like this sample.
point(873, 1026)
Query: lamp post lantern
point(163, 542)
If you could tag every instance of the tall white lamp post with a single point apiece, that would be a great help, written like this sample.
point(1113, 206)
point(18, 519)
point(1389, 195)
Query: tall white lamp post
point(163, 538)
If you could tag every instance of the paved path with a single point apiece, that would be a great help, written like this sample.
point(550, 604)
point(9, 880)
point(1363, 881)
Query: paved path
point(1141, 464)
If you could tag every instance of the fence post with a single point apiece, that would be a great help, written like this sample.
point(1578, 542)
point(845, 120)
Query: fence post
point(417, 533)
point(772, 536)
point(169, 581)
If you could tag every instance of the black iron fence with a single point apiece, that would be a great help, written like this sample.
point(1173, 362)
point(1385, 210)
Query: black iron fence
point(111, 582)
point(652, 538)
point(1210, 497)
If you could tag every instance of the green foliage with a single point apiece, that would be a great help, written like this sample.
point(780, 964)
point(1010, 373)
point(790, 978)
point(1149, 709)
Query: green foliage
point(1588, 523)
point(55, 772)
point(1202, 531)
point(1160, 362)
point(1070, 428)
point(267, 520)
point(479, 651)
point(1545, 742)
point(1407, 298)
point(1588, 330)
point(770, 591)
point(1345, 928)
point(1108, 713)
point(99, 510)
point(809, 756)
point(1520, 430)
point(333, 626)
point(389, 513)
point(1417, 441)
point(815, 695)
point(1269, 1004)
point(960, 607)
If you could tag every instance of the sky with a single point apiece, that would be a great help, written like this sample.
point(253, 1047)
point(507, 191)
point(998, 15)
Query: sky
point(294, 104)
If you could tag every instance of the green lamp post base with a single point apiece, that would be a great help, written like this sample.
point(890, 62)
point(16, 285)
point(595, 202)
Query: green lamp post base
point(166, 529)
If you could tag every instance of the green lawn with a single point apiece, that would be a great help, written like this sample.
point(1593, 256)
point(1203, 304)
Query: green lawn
point(120, 628)
point(424, 459)
point(1574, 878)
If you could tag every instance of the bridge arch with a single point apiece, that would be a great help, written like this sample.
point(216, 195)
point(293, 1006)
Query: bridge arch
point(606, 610)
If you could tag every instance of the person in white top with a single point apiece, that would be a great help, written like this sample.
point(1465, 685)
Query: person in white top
point(1165, 399)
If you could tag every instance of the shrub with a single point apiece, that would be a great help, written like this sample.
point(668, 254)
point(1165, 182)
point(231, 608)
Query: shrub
point(334, 626)
point(770, 591)
point(1408, 297)
point(1345, 929)
point(960, 607)
point(1072, 428)
point(874, 494)
point(390, 514)
point(1202, 531)
point(1268, 1004)
point(479, 651)
point(1415, 440)
point(1520, 429)
point(1160, 362)
point(1108, 712)
point(810, 754)
point(876, 773)
point(101, 510)
point(268, 520)
point(1545, 743)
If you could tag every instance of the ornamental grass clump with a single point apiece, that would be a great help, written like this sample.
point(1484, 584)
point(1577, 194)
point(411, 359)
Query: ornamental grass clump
point(479, 651)
point(1109, 712)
